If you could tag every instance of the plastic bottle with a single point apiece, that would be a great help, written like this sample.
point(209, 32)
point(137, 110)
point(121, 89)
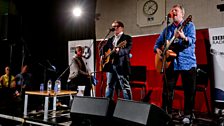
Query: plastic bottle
point(41, 87)
point(56, 86)
point(59, 85)
point(49, 85)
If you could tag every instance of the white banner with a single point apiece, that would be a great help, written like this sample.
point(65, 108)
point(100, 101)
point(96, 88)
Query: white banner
point(216, 37)
point(88, 52)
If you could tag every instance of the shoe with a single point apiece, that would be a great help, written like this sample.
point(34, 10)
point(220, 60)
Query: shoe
point(58, 104)
point(33, 112)
point(186, 120)
point(64, 105)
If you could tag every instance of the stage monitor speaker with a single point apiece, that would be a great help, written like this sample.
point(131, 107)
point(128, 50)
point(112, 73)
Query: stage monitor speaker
point(86, 111)
point(134, 113)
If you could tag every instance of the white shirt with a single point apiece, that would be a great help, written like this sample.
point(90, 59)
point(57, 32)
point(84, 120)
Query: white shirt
point(116, 38)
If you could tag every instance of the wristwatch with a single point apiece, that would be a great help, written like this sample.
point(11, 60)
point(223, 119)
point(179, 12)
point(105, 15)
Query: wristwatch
point(150, 7)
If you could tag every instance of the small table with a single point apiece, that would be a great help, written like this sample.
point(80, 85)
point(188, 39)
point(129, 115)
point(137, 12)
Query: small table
point(47, 95)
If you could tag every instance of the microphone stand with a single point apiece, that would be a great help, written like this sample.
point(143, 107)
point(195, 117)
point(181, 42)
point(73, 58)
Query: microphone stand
point(100, 46)
point(25, 51)
point(10, 64)
point(59, 77)
point(165, 49)
point(102, 43)
point(163, 69)
point(45, 72)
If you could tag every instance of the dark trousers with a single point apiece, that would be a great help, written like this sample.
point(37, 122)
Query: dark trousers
point(10, 103)
point(189, 87)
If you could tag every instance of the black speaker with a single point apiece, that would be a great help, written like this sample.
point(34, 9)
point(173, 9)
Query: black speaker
point(134, 113)
point(90, 111)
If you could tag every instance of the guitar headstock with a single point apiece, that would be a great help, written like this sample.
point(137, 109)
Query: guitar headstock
point(189, 18)
point(122, 44)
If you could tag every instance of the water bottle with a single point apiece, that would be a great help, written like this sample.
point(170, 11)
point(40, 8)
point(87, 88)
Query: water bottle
point(49, 85)
point(59, 85)
point(41, 87)
point(56, 86)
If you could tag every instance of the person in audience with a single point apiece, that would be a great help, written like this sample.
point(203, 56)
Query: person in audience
point(115, 61)
point(7, 80)
point(23, 81)
point(182, 59)
point(79, 73)
point(8, 93)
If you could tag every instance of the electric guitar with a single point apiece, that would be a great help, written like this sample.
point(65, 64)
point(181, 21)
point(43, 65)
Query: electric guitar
point(106, 60)
point(168, 53)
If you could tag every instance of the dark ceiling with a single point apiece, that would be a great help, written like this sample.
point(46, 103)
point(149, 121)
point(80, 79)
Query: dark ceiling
point(39, 31)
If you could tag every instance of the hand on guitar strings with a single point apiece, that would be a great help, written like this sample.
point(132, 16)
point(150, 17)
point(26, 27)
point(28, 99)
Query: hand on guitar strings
point(117, 50)
point(180, 34)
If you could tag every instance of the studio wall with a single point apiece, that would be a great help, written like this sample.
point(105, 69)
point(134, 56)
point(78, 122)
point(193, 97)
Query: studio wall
point(143, 55)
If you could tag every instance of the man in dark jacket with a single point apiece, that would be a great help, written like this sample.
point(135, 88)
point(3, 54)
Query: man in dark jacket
point(115, 61)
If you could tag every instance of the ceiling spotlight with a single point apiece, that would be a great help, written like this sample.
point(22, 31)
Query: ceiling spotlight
point(77, 12)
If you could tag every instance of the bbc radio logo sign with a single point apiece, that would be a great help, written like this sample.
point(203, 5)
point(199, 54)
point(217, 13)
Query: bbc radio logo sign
point(218, 39)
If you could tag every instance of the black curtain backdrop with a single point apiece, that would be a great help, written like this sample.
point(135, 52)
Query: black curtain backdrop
point(41, 29)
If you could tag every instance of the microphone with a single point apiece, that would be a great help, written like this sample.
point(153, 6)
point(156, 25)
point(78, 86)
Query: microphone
point(69, 80)
point(52, 66)
point(112, 29)
point(170, 15)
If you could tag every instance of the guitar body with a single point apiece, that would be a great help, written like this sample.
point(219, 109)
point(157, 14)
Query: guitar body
point(170, 55)
point(106, 62)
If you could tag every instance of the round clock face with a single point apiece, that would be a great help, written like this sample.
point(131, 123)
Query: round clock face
point(150, 7)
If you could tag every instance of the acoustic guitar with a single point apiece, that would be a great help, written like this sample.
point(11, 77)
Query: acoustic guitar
point(161, 60)
point(106, 60)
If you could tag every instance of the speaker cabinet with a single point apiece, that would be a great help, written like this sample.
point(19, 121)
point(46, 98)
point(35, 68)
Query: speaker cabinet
point(90, 111)
point(133, 113)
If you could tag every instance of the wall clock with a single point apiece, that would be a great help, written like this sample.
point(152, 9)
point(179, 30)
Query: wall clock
point(150, 7)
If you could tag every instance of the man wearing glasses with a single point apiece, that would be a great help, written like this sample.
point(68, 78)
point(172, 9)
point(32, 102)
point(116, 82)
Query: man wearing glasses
point(115, 61)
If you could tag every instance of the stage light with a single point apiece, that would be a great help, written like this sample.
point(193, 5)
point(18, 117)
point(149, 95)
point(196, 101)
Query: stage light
point(77, 12)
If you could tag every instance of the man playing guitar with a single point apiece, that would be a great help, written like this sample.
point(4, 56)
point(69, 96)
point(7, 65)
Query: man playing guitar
point(118, 66)
point(184, 62)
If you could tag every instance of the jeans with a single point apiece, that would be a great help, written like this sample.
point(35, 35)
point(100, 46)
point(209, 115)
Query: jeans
point(114, 78)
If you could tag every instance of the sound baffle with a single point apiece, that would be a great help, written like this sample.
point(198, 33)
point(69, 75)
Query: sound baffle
point(133, 113)
point(91, 111)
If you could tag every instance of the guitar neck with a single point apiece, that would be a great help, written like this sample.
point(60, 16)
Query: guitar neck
point(173, 38)
point(120, 45)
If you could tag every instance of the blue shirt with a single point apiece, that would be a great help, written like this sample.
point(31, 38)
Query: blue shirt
point(186, 58)
point(23, 79)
